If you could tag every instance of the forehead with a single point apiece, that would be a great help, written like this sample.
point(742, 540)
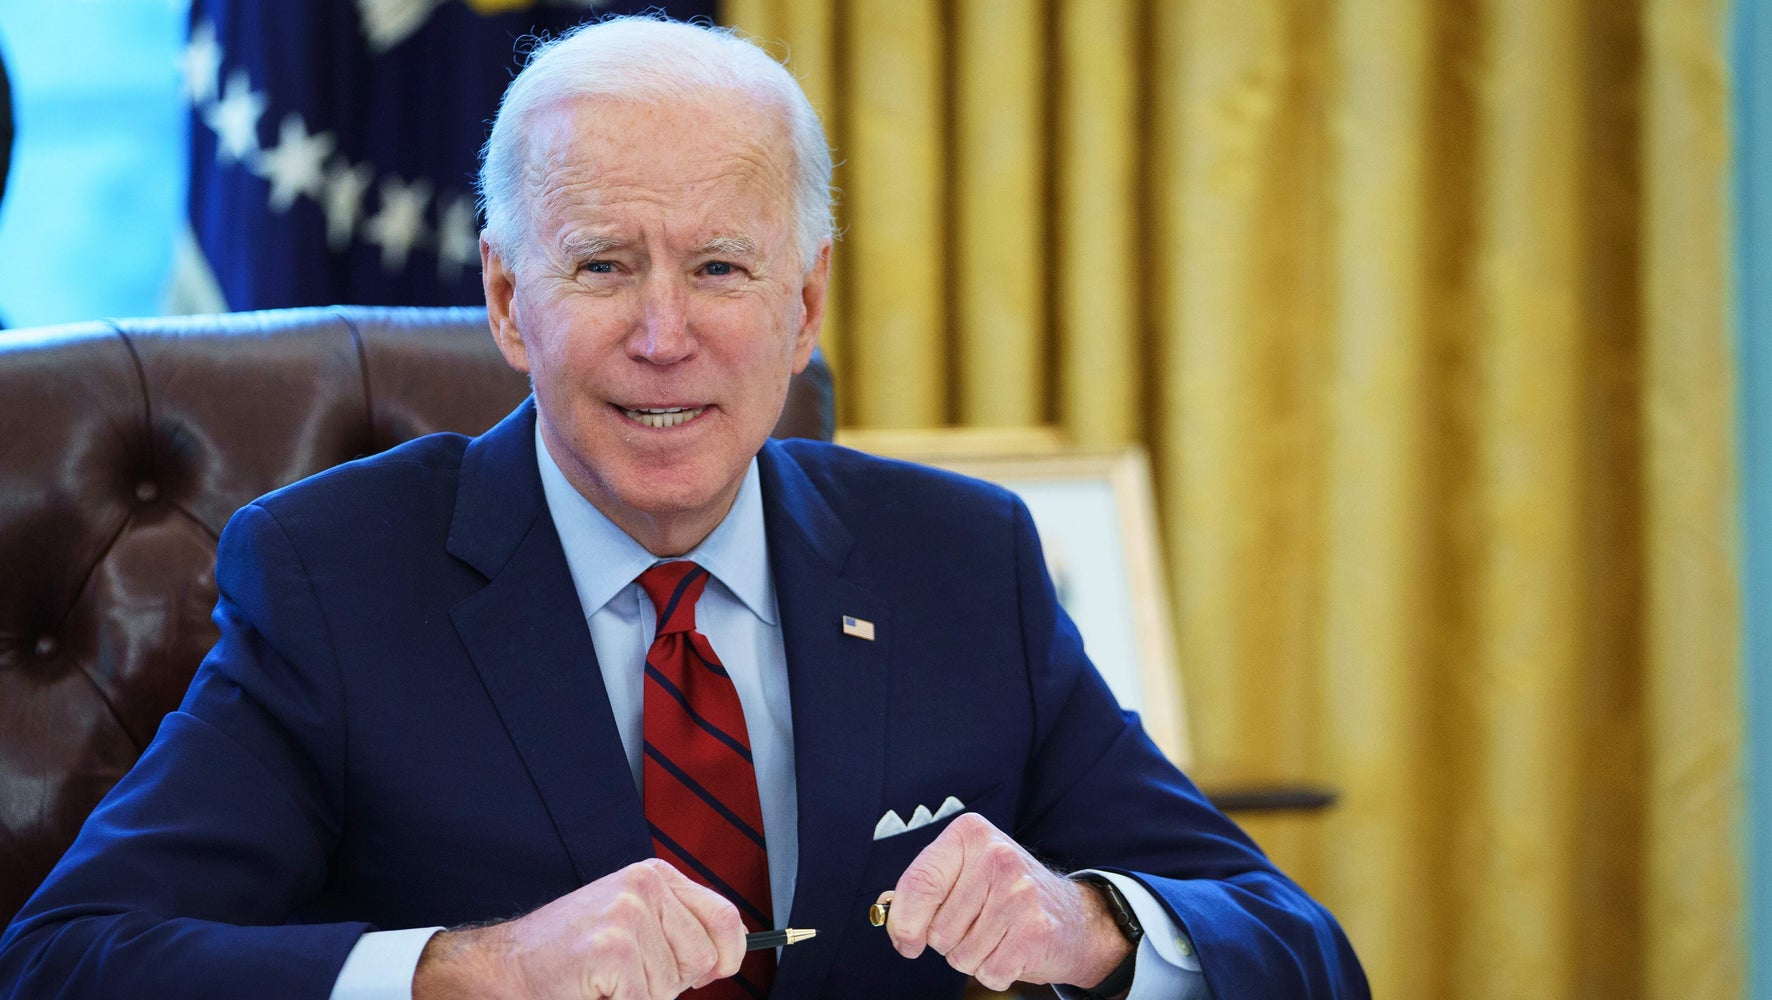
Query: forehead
point(603, 160)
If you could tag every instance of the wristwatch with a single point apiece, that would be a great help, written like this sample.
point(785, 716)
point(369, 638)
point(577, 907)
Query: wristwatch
point(1119, 980)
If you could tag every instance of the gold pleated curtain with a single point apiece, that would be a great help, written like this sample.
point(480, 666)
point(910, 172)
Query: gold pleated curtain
point(1422, 309)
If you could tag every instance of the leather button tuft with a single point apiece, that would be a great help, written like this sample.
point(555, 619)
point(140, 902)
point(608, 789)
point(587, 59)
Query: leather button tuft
point(147, 491)
point(46, 647)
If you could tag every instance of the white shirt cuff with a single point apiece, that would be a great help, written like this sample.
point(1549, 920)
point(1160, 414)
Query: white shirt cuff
point(381, 965)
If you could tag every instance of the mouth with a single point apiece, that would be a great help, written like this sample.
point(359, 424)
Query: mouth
point(663, 416)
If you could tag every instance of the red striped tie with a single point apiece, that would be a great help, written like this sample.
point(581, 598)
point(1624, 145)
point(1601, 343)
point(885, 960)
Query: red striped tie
point(700, 786)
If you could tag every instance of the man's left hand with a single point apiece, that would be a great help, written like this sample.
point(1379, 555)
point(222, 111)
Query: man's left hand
point(978, 898)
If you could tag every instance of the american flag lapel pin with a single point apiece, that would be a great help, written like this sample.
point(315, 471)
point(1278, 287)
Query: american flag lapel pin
point(861, 628)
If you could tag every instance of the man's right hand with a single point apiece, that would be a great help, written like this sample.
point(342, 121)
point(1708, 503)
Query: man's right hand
point(645, 931)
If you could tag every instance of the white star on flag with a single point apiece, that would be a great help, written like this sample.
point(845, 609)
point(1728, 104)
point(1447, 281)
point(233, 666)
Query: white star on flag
point(458, 239)
point(296, 166)
point(400, 224)
point(200, 64)
point(235, 119)
point(343, 201)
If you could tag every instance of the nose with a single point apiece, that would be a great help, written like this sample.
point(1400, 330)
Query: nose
point(661, 334)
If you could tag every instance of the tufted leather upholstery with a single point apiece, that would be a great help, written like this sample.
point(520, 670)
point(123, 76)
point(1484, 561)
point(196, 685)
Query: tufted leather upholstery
point(124, 448)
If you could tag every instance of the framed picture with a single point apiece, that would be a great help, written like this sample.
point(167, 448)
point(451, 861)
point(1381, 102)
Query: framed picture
point(1096, 517)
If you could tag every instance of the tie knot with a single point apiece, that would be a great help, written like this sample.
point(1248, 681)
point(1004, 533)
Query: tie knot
point(674, 587)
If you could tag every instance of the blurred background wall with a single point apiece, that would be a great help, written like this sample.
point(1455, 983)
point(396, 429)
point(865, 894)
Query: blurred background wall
point(1435, 318)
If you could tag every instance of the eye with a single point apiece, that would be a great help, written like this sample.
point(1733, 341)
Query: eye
point(600, 267)
point(718, 268)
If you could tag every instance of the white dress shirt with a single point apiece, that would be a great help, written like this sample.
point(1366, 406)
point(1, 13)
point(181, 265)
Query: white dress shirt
point(738, 614)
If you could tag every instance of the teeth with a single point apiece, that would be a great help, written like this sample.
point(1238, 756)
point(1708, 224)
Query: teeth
point(669, 417)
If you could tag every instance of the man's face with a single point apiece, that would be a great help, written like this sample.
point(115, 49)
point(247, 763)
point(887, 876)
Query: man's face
point(662, 305)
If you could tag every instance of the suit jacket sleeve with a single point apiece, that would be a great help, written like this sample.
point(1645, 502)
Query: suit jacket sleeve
point(183, 881)
point(1099, 794)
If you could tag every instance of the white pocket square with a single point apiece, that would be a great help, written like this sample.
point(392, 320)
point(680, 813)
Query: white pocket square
point(891, 825)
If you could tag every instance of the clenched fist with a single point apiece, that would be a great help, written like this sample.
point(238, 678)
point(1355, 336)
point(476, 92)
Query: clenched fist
point(977, 897)
point(645, 932)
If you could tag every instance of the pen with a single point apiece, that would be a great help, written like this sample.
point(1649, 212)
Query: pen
point(775, 939)
point(877, 912)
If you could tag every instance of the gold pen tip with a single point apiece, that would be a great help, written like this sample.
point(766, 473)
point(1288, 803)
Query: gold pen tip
point(795, 936)
point(877, 913)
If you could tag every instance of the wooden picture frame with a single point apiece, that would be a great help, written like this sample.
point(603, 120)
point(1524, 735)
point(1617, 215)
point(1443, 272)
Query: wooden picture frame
point(1096, 514)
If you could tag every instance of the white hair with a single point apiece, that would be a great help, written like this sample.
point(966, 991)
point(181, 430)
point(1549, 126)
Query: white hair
point(647, 58)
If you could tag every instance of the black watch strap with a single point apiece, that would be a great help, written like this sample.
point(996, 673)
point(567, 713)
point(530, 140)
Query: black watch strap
point(1119, 980)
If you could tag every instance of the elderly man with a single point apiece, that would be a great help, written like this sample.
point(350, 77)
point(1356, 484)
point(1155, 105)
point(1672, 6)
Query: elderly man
point(620, 680)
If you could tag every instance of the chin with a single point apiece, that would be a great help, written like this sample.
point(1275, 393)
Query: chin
point(673, 491)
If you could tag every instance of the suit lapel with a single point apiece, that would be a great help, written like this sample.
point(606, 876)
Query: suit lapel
point(526, 634)
point(838, 686)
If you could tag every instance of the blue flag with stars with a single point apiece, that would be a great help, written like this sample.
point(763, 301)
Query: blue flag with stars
point(334, 144)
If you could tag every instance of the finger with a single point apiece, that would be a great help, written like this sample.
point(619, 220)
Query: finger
point(972, 953)
point(926, 882)
point(1006, 963)
point(675, 944)
point(624, 932)
point(959, 910)
point(632, 984)
point(622, 973)
point(692, 952)
point(688, 912)
point(720, 924)
point(919, 891)
point(984, 932)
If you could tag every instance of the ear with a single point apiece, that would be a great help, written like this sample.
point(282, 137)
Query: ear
point(813, 293)
point(500, 283)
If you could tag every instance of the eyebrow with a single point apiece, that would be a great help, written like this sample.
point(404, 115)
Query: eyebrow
point(728, 246)
point(584, 245)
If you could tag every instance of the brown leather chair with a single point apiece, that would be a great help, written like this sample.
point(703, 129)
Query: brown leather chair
point(124, 448)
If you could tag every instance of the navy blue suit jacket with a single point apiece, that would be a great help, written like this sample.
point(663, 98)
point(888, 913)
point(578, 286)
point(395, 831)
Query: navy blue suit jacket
point(403, 725)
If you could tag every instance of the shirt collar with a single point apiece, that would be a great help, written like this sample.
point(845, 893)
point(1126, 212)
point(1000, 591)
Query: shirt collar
point(604, 559)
